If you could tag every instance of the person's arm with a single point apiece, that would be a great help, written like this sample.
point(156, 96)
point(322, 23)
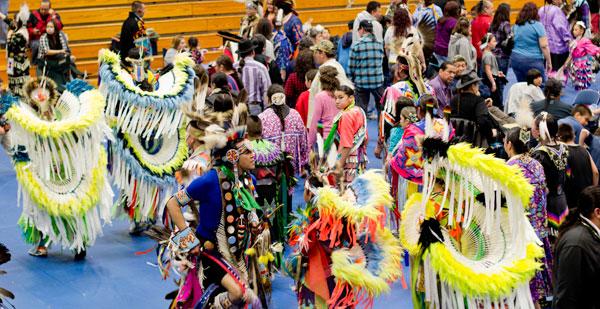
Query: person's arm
point(543, 41)
point(176, 214)
point(569, 271)
point(31, 23)
point(316, 116)
point(595, 174)
point(352, 63)
point(583, 135)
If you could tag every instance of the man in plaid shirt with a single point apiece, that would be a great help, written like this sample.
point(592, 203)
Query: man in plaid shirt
point(366, 66)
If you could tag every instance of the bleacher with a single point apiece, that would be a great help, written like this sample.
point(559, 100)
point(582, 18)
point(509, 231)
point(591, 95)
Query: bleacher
point(90, 24)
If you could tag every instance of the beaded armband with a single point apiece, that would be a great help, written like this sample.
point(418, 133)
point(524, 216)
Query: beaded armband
point(182, 197)
point(185, 240)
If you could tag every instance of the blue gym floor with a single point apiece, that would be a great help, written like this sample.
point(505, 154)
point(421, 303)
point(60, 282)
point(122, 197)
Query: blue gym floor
point(112, 275)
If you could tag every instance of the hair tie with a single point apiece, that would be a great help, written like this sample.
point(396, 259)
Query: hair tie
point(278, 98)
point(412, 117)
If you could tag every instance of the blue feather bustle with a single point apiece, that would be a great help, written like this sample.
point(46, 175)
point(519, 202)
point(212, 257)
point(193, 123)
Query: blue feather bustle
point(164, 102)
point(78, 86)
point(6, 102)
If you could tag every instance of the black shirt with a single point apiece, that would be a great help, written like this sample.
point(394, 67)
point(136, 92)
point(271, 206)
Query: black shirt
point(579, 173)
point(472, 107)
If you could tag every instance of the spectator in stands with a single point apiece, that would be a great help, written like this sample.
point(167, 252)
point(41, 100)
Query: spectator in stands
point(36, 26)
point(441, 85)
point(578, 255)
point(427, 11)
point(594, 11)
point(531, 44)
point(552, 103)
point(296, 83)
point(371, 13)
point(133, 28)
point(444, 29)
point(578, 121)
point(55, 55)
point(500, 28)
point(460, 44)
point(366, 57)
point(255, 76)
point(195, 51)
point(292, 26)
point(396, 34)
point(224, 64)
point(178, 45)
point(343, 46)
point(481, 24)
point(582, 169)
point(250, 20)
point(558, 31)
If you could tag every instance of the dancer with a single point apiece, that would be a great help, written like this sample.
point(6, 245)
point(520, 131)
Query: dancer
point(582, 59)
point(469, 239)
point(17, 67)
point(343, 255)
point(150, 136)
point(61, 165)
point(349, 132)
point(231, 250)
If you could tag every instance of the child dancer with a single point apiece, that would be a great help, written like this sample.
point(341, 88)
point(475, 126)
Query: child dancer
point(582, 58)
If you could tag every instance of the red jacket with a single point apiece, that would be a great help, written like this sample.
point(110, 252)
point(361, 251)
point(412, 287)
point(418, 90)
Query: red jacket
point(479, 27)
point(37, 21)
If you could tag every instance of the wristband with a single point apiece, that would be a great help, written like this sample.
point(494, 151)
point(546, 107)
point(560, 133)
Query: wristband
point(185, 240)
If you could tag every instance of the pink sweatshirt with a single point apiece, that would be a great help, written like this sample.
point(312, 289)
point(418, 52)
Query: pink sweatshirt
point(585, 47)
point(324, 112)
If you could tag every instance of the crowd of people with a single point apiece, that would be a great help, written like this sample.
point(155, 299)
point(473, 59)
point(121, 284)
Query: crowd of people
point(288, 100)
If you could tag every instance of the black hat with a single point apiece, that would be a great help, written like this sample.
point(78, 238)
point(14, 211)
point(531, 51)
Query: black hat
point(366, 25)
point(246, 46)
point(467, 79)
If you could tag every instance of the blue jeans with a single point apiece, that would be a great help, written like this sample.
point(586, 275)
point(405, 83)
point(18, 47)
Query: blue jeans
point(521, 64)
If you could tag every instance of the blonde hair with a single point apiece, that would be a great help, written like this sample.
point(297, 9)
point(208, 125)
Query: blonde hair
point(176, 40)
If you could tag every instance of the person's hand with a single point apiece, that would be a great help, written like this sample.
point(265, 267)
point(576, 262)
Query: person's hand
point(195, 251)
point(548, 65)
point(378, 150)
point(501, 74)
point(489, 102)
point(51, 11)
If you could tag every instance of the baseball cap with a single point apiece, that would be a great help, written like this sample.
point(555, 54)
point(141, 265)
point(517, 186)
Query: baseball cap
point(324, 46)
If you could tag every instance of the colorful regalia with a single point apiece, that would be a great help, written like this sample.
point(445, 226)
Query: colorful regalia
point(233, 231)
point(350, 129)
point(343, 255)
point(150, 137)
point(60, 163)
point(471, 243)
point(581, 67)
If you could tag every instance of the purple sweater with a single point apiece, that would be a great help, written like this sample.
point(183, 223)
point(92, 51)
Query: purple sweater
point(443, 31)
point(557, 28)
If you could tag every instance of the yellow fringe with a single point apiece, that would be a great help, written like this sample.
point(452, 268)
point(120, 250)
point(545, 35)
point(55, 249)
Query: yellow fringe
point(75, 206)
point(55, 129)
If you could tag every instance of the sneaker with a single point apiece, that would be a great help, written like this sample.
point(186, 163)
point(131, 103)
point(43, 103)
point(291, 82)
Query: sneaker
point(38, 251)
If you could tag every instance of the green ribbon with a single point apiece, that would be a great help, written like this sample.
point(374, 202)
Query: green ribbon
point(243, 197)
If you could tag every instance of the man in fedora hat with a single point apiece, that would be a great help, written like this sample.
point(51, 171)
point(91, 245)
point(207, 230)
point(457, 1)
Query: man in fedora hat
point(469, 106)
point(255, 76)
point(365, 66)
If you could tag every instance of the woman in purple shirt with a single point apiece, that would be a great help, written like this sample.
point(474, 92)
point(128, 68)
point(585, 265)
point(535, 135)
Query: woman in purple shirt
point(443, 30)
point(558, 31)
